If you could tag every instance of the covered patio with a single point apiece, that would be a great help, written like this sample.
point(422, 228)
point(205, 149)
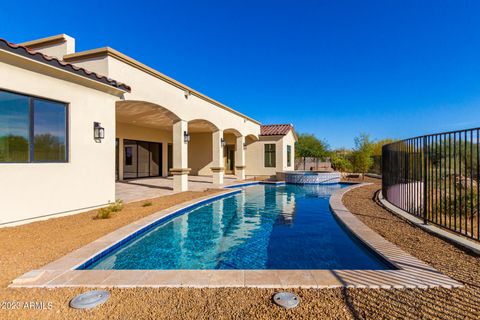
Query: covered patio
point(145, 188)
point(159, 152)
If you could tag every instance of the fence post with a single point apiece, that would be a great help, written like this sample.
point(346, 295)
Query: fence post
point(425, 180)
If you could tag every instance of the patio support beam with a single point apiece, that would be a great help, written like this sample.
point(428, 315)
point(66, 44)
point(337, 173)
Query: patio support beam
point(180, 168)
point(240, 158)
point(217, 148)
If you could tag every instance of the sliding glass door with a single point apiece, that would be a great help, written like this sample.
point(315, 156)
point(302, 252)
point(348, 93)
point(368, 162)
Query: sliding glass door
point(142, 159)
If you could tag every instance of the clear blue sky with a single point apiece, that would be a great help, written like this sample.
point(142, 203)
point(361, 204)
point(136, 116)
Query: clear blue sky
point(332, 68)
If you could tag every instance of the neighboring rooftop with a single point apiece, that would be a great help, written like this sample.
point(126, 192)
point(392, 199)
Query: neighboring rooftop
point(275, 129)
point(55, 62)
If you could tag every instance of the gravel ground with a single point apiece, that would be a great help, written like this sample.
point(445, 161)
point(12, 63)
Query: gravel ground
point(27, 247)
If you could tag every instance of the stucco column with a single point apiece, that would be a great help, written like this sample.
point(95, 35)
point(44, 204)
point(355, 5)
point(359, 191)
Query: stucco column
point(240, 158)
point(217, 163)
point(180, 168)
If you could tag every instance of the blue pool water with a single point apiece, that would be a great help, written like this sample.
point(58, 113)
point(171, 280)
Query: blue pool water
point(263, 227)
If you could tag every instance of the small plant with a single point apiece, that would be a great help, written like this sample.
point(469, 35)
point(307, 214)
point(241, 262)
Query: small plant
point(116, 206)
point(146, 204)
point(105, 213)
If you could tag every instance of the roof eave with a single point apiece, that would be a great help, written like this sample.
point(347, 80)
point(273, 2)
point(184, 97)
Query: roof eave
point(49, 70)
point(107, 51)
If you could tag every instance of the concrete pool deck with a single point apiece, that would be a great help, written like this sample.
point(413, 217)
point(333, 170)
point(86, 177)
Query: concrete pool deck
point(411, 273)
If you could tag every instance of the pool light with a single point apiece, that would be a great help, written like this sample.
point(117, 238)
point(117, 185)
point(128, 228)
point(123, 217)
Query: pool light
point(286, 300)
point(89, 299)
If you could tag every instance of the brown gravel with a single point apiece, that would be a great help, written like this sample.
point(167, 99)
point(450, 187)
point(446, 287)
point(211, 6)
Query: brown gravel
point(463, 303)
point(31, 246)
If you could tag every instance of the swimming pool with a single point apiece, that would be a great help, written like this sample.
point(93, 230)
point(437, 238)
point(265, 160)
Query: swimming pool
point(262, 227)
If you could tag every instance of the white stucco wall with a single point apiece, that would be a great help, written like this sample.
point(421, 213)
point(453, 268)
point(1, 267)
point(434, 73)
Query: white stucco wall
point(288, 139)
point(200, 154)
point(255, 155)
point(36, 189)
point(57, 47)
point(147, 87)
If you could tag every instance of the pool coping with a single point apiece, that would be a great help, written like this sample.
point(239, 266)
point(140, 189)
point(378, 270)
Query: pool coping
point(411, 273)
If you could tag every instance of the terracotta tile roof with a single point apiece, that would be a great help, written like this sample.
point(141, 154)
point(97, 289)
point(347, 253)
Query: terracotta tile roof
point(275, 129)
point(38, 56)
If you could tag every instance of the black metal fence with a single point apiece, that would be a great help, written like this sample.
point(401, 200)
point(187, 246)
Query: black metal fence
point(436, 177)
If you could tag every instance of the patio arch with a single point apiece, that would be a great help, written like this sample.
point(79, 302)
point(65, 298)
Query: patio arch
point(147, 114)
point(250, 138)
point(233, 131)
point(201, 126)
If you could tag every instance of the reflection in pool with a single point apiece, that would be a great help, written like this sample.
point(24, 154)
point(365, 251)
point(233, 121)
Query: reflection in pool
point(263, 227)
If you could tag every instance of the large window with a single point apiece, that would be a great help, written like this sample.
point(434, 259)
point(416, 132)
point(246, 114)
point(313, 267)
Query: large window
point(289, 156)
point(269, 155)
point(32, 129)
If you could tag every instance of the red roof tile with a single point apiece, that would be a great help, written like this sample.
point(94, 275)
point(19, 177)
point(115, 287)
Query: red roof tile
point(38, 56)
point(275, 129)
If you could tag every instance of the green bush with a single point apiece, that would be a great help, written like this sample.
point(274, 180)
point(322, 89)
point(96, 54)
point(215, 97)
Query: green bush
point(103, 213)
point(116, 206)
point(341, 164)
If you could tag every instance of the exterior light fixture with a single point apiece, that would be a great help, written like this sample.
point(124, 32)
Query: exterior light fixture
point(186, 137)
point(222, 141)
point(98, 131)
point(187, 94)
point(244, 146)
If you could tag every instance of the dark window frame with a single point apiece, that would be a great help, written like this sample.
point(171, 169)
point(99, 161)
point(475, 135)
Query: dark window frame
point(270, 152)
point(128, 156)
point(150, 143)
point(31, 126)
point(289, 155)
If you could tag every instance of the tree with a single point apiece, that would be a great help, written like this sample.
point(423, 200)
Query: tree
point(377, 154)
point(340, 163)
point(362, 154)
point(309, 146)
point(377, 146)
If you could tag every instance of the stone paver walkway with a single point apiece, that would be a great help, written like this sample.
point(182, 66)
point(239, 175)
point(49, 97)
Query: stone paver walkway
point(146, 188)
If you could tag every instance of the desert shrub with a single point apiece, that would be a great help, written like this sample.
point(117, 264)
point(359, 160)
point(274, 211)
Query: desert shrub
point(116, 206)
point(106, 212)
point(146, 204)
point(103, 213)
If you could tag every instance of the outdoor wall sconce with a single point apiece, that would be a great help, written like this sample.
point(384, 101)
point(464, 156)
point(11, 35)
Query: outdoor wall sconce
point(222, 142)
point(244, 146)
point(98, 131)
point(186, 137)
point(187, 94)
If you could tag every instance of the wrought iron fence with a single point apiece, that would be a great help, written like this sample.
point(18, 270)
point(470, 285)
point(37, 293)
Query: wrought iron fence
point(436, 177)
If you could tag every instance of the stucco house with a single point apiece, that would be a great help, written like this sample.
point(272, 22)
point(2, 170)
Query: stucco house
point(73, 123)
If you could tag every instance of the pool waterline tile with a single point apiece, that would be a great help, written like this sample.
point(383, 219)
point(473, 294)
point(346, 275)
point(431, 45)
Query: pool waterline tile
point(412, 273)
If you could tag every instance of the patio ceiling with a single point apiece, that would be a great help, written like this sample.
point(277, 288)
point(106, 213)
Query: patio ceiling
point(201, 126)
point(145, 114)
